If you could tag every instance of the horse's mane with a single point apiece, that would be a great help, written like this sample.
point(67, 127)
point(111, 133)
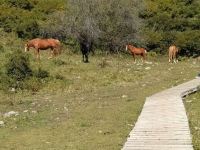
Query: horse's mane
point(131, 45)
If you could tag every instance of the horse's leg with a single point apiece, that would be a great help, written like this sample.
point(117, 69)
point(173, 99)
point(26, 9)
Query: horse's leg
point(174, 60)
point(170, 58)
point(59, 50)
point(174, 57)
point(134, 57)
point(55, 52)
point(51, 53)
point(35, 52)
point(141, 58)
point(86, 57)
point(144, 57)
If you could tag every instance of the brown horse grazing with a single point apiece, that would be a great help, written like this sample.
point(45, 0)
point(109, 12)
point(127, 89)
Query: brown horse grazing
point(44, 44)
point(137, 51)
point(173, 51)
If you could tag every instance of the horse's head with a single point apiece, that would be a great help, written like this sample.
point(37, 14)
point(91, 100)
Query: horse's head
point(26, 47)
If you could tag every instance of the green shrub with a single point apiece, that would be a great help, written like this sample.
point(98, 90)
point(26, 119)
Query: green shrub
point(28, 29)
point(18, 66)
point(182, 58)
point(152, 54)
point(17, 69)
point(189, 42)
point(41, 74)
point(23, 4)
point(59, 77)
point(19, 76)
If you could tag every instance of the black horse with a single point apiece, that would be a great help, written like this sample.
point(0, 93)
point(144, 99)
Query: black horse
point(85, 47)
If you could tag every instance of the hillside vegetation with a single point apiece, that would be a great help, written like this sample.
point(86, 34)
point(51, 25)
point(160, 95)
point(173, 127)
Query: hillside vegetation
point(108, 23)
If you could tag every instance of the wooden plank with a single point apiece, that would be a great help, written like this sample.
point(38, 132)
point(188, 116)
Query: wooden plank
point(163, 124)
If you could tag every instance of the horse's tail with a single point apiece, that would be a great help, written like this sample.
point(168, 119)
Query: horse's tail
point(59, 46)
point(57, 41)
point(26, 47)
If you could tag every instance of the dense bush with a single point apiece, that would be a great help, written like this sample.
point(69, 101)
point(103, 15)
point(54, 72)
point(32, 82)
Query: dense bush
point(189, 42)
point(18, 66)
point(24, 4)
point(41, 74)
point(19, 75)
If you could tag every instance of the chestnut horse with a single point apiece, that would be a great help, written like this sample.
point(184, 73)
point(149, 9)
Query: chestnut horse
point(173, 51)
point(44, 44)
point(137, 51)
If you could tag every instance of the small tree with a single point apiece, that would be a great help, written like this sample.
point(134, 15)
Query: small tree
point(109, 24)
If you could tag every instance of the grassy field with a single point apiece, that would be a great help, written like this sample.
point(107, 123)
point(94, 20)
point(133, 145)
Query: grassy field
point(192, 104)
point(88, 106)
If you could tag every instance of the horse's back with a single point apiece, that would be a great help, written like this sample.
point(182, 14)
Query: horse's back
point(33, 41)
point(173, 49)
point(84, 47)
point(137, 50)
point(54, 42)
point(36, 40)
point(44, 43)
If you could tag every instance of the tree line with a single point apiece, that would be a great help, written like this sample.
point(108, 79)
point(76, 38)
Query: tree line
point(109, 24)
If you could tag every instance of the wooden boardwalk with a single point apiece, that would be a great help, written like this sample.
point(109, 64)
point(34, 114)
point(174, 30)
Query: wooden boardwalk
point(163, 124)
